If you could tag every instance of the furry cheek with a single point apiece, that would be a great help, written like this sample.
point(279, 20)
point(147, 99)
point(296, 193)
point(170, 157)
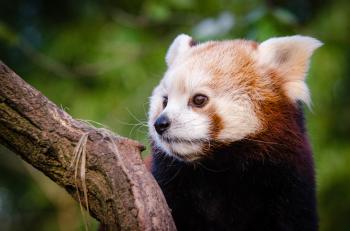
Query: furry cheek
point(237, 119)
point(189, 126)
point(186, 130)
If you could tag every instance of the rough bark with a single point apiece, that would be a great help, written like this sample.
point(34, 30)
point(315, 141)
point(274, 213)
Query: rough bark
point(121, 192)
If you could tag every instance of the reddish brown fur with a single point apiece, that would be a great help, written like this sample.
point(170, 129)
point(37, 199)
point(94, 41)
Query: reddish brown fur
point(216, 124)
point(232, 67)
point(264, 180)
point(264, 87)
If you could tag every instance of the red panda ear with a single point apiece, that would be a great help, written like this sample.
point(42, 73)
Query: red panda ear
point(290, 57)
point(180, 45)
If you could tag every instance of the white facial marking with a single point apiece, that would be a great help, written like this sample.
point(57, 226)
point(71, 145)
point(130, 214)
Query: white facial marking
point(238, 117)
point(231, 74)
point(187, 126)
point(191, 128)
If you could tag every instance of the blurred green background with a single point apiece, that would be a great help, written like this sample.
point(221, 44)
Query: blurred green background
point(99, 61)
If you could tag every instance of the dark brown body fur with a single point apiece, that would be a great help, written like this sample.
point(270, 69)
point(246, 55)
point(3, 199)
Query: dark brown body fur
point(264, 182)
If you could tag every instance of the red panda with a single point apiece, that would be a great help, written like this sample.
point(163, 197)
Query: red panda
point(229, 146)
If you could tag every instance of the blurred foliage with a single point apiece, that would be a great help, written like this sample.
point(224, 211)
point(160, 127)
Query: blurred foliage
point(100, 60)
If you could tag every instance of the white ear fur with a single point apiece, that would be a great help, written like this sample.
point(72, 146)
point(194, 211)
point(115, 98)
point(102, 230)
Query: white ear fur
point(180, 45)
point(290, 57)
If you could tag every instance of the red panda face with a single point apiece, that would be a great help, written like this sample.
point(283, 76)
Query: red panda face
point(217, 92)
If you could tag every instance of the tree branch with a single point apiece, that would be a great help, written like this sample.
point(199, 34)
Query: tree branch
point(121, 192)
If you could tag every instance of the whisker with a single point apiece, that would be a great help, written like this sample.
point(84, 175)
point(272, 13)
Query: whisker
point(133, 116)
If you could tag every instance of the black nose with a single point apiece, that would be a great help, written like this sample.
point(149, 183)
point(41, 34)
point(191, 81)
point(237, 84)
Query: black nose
point(162, 124)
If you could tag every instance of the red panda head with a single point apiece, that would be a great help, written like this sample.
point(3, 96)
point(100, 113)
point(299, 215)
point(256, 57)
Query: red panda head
point(222, 92)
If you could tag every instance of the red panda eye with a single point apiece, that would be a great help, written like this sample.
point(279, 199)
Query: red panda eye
point(199, 100)
point(165, 101)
